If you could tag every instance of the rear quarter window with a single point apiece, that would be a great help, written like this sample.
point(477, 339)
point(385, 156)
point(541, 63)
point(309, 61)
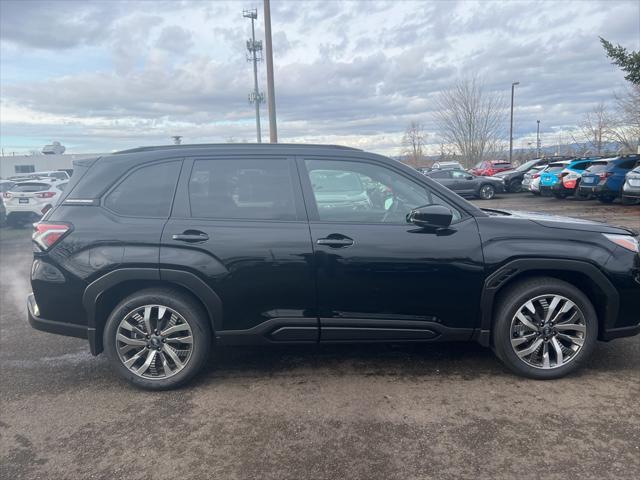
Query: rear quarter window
point(145, 192)
point(597, 167)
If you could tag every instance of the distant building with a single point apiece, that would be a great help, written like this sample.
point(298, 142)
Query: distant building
point(16, 164)
point(54, 149)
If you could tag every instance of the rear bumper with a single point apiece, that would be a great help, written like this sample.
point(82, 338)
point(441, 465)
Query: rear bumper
point(598, 190)
point(59, 328)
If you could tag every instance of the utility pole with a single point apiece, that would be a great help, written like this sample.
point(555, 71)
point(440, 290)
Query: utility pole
point(271, 94)
point(513, 87)
point(538, 138)
point(255, 55)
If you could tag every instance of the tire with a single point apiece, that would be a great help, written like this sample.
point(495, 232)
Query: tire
point(508, 330)
point(486, 192)
point(515, 186)
point(189, 323)
point(606, 199)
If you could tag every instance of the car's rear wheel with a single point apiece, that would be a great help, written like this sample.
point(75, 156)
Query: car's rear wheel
point(544, 328)
point(157, 338)
point(486, 192)
point(515, 186)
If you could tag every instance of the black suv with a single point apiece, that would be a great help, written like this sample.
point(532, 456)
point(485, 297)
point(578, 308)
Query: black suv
point(157, 255)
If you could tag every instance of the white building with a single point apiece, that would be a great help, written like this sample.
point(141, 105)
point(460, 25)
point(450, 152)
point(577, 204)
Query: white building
point(16, 164)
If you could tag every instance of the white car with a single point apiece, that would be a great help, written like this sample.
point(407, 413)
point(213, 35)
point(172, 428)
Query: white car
point(531, 180)
point(447, 166)
point(29, 201)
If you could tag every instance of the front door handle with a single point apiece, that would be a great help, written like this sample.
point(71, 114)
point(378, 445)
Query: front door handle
point(335, 240)
point(191, 236)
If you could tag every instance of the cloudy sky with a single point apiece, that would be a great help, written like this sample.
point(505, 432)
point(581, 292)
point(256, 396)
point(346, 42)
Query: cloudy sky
point(106, 75)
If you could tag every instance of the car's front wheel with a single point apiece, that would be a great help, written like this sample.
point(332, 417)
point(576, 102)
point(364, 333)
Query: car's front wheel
point(544, 328)
point(158, 338)
point(515, 186)
point(486, 192)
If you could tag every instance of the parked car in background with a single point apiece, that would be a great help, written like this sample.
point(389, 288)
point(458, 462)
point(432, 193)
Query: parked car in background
point(605, 178)
point(487, 168)
point(29, 201)
point(551, 176)
point(631, 187)
point(447, 165)
point(570, 177)
point(513, 178)
point(531, 179)
point(467, 184)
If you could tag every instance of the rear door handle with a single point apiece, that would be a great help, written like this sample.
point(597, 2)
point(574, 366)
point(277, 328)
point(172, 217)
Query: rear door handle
point(191, 236)
point(335, 241)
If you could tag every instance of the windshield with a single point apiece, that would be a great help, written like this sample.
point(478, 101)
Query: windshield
point(597, 167)
point(335, 181)
point(30, 187)
point(526, 166)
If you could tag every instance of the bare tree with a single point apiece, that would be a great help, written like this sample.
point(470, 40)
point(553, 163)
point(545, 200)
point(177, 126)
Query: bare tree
point(413, 142)
point(471, 119)
point(625, 128)
point(595, 130)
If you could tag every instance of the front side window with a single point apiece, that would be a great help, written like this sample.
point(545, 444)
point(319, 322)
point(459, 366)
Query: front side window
point(360, 192)
point(460, 175)
point(441, 174)
point(146, 192)
point(245, 189)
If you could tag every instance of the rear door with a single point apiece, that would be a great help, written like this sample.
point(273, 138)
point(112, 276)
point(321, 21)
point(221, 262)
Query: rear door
point(239, 225)
point(378, 277)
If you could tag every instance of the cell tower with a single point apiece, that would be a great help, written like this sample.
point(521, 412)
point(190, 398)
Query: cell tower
point(255, 55)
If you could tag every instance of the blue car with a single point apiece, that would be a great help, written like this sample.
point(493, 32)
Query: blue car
point(569, 178)
point(604, 178)
point(551, 176)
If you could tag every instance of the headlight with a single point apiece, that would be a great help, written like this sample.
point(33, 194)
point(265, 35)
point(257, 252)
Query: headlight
point(625, 241)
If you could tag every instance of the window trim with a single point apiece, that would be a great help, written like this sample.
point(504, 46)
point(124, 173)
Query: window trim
point(130, 172)
point(183, 201)
point(310, 201)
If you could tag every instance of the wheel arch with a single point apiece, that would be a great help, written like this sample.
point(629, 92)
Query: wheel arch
point(102, 295)
point(583, 275)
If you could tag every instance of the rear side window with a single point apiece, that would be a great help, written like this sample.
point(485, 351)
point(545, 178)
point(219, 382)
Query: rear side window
point(31, 187)
point(146, 192)
point(627, 164)
point(245, 189)
point(443, 174)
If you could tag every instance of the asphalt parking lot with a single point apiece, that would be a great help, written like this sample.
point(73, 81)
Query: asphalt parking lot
point(445, 411)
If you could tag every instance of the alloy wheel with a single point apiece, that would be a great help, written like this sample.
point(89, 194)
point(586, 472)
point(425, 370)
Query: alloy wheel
point(487, 192)
point(548, 331)
point(154, 342)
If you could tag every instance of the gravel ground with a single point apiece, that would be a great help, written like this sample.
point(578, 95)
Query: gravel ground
point(449, 411)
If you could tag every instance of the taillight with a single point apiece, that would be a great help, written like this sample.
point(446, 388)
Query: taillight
point(604, 175)
point(46, 235)
point(6, 195)
point(45, 194)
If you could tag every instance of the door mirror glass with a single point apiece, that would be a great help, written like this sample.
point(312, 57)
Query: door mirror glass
point(469, 177)
point(431, 216)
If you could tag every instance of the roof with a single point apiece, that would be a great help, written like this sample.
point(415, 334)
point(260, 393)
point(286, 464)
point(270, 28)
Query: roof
point(233, 146)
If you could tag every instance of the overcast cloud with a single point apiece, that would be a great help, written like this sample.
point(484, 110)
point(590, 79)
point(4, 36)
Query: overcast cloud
point(105, 75)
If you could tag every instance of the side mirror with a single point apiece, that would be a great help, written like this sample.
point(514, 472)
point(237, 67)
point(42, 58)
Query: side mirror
point(469, 177)
point(430, 216)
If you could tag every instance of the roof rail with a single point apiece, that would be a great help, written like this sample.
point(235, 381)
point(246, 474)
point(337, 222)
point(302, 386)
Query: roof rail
point(233, 145)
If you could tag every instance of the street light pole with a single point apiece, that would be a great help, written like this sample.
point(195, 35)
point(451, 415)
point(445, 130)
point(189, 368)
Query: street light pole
point(513, 87)
point(538, 138)
point(271, 94)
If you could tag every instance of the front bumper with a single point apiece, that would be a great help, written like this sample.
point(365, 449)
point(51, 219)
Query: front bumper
point(59, 328)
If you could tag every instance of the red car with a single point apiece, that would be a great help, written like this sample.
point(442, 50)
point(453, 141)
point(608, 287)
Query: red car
point(488, 168)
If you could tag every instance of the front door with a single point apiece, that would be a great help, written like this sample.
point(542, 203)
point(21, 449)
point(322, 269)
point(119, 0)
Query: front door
point(378, 277)
point(239, 224)
point(463, 182)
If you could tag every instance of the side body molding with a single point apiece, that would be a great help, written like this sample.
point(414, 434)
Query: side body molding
point(512, 269)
